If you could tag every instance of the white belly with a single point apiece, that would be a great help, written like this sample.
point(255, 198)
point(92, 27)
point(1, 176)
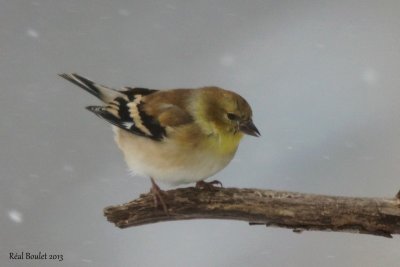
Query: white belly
point(163, 162)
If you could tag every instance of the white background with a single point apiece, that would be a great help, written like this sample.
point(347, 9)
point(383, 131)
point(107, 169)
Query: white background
point(322, 78)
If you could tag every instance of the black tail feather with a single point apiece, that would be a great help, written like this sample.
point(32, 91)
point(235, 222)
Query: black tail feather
point(82, 82)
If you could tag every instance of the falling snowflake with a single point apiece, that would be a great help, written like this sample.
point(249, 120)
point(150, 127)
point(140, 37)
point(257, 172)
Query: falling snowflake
point(227, 60)
point(32, 33)
point(68, 168)
point(15, 216)
point(124, 12)
point(370, 76)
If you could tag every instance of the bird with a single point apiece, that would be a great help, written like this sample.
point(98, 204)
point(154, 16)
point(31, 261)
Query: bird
point(176, 136)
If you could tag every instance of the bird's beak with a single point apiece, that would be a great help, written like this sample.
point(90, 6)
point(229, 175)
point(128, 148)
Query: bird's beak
point(249, 128)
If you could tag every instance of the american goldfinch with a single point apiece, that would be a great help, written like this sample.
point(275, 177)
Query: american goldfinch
point(176, 136)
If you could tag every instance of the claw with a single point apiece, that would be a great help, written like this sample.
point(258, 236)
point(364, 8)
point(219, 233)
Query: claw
point(157, 196)
point(209, 185)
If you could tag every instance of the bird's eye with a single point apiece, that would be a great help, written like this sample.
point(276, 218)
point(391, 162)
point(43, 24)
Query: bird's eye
point(232, 117)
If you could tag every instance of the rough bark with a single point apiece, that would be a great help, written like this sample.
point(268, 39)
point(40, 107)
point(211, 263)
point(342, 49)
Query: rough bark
point(376, 216)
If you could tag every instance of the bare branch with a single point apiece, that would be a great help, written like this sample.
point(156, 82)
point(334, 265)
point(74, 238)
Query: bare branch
point(297, 211)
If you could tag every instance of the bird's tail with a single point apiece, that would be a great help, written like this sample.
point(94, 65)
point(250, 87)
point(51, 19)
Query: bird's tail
point(102, 92)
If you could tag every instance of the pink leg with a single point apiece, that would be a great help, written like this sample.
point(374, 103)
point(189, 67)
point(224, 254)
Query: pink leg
point(157, 195)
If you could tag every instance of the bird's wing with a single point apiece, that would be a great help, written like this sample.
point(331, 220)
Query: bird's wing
point(135, 109)
point(132, 113)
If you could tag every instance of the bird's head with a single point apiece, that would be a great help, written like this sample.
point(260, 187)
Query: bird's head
point(226, 113)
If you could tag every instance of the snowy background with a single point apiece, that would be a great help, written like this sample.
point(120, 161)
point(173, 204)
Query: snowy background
point(322, 77)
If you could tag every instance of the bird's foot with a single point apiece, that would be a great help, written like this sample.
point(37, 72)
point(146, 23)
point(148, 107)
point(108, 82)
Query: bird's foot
point(158, 196)
point(209, 185)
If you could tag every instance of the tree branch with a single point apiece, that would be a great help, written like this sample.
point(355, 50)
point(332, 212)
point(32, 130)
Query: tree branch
point(376, 216)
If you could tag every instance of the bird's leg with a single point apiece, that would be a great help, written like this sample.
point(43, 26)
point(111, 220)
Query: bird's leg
point(208, 185)
point(157, 195)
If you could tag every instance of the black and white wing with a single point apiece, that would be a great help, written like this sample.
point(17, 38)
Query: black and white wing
point(128, 114)
point(123, 109)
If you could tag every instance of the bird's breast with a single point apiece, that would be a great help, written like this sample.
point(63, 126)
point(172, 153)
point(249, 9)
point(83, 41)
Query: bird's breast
point(175, 162)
